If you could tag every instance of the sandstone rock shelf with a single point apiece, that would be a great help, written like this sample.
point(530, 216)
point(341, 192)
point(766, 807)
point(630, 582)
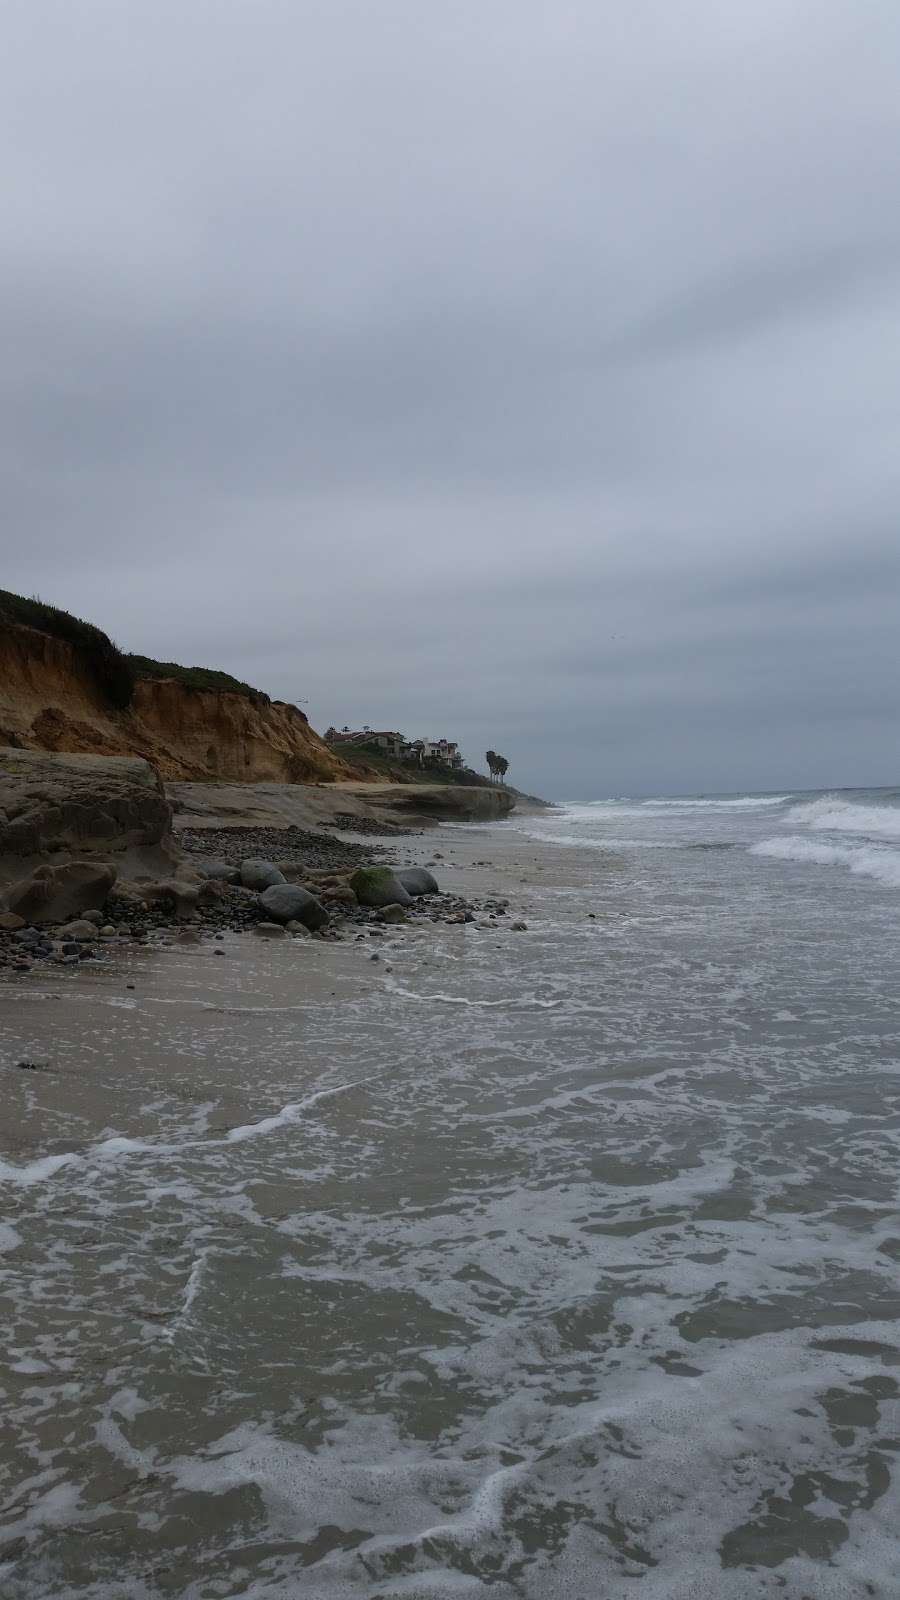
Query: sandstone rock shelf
point(278, 805)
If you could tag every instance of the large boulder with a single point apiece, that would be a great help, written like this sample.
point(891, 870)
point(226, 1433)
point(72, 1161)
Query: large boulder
point(56, 894)
point(78, 803)
point(287, 902)
point(259, 875)
point(417, 881)
point(379, 886)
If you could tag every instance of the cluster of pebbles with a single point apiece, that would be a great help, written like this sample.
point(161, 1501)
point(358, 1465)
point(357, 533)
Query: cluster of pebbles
point(22, 946)
point(322, 864)
point(315, 852)
point(348, 823)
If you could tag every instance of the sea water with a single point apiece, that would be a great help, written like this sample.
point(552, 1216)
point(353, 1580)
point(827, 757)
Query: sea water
point(560, 1263)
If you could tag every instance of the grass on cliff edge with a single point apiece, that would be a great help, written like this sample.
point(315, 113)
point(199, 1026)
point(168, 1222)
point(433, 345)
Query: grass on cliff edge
point(109, 667)
point(195, 677)
point(114, 672)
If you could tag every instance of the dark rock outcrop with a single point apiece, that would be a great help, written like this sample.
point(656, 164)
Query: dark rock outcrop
point(56, 894)
point(79, 803)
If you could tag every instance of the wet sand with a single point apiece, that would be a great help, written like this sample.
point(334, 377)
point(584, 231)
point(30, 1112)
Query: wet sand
point(532, 1266)
point(101, 1040)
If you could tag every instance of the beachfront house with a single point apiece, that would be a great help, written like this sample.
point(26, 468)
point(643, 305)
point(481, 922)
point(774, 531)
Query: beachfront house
point(423, 752)
point(434, 752)
point(384, 740)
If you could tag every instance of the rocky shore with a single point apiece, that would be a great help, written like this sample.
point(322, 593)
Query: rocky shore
point(327, 908)
point(89, 884)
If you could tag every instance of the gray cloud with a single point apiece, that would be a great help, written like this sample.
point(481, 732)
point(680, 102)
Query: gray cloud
point(520, 372)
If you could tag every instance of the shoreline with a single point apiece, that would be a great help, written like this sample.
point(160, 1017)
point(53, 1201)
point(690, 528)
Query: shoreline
point(81, 1016)
point(315, 834)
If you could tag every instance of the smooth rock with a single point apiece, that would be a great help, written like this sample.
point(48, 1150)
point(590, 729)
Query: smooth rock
point(417, 881)
point(79, 929)
point(54, 894)
point(298, 929)
point(269, 930)
point(10, 921)
point(287, 902)
point(391, 914)
point(260, 875)
point(519, 927)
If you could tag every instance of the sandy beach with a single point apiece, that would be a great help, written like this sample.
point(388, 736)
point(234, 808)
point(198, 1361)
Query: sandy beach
point(99, 1038)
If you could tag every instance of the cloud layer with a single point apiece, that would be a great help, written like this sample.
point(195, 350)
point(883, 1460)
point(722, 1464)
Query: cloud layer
point(521, 373)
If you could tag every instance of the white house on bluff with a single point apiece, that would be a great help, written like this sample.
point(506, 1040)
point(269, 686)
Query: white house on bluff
point(424, 752)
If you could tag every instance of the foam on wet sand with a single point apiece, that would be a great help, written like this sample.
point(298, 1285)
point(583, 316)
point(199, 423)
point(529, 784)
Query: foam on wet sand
point(558, 1264)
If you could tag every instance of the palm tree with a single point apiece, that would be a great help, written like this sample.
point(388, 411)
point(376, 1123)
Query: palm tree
point(502, 768)
point(490, 757)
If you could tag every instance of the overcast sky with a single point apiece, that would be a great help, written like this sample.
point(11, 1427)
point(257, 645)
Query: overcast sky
point(522, 372)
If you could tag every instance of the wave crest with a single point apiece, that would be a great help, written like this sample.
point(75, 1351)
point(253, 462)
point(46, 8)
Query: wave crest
point(866, 861)
point(833, 815)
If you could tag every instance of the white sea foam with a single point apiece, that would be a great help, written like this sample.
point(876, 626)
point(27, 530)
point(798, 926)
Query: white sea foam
point(586, 842)
point(594, 811)
point(191, 1291)
point(120, 1145)
point(659, 1239)
point(34, 1171)
point(748, 802)
point(513, 1002)
point(865, 860)
point(833, 815)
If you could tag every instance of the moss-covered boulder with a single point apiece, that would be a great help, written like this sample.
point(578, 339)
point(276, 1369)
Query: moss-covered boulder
point(379, 886)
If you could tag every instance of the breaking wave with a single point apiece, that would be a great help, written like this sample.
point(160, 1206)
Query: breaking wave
point(749, 802)
point(597, 810)
point(866, 860)
point(833, 815)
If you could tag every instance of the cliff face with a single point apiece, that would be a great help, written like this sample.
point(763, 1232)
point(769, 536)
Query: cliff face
point(50, 701)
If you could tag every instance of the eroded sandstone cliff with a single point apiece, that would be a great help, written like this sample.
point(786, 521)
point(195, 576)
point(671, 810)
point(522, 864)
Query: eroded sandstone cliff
point(50, 700)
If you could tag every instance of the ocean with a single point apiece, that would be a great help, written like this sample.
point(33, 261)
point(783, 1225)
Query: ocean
point(548, 1263)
